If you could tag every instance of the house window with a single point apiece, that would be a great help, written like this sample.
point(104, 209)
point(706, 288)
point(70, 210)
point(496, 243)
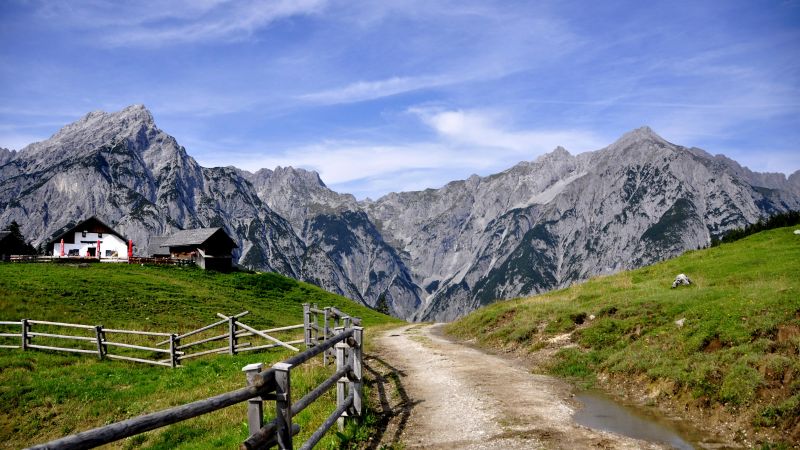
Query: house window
point(99, 235)
point(83, 234)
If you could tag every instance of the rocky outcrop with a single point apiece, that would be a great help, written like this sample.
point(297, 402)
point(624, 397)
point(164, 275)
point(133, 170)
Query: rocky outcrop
point(347, 254)
point(6, 155)
point(434, 254)
point(560, 219)
point(121, 167)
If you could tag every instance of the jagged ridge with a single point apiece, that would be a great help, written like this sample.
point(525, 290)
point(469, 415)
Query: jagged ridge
point(433, 254)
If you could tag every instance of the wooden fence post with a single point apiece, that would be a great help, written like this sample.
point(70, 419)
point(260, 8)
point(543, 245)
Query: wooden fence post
point(103, 341)
point(232, 335)
point(307, 324)
point(173, 350)
point(283, 405)
point(316, 325)
point(25, 328)
point(325, 332)
point(357, 384)
point(98, 332)
point(341, 347)
point(255, 406)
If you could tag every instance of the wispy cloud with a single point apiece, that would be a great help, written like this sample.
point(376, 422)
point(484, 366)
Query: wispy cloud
point(336, 85)
point(464, 142)
point(156, 23)
point(370, 90)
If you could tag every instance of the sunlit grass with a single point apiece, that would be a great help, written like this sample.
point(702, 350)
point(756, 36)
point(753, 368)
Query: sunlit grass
point(47, 395)
point(744, 294)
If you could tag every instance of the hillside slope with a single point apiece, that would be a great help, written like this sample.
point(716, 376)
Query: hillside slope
point(48, 395)
point(724, 351)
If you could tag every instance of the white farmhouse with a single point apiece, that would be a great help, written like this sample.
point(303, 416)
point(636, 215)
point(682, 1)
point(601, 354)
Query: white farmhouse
point(84, 239)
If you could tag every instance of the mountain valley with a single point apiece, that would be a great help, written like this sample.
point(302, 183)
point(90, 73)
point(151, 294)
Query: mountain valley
point(435, 254)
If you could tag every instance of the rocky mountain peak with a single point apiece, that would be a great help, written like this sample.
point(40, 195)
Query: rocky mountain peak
point(557, 155)
point(128, 121)
point(639, 136)
point(297, 193)
point(432, 254)
point(134, 125)
point(289, 173)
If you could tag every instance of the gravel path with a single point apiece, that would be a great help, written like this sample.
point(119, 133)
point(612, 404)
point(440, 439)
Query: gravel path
point(449, 396)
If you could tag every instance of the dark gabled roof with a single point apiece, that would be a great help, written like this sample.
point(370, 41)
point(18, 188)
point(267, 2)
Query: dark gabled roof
point(4, 234)
point(157, 246)
point(81, 224)
point(197, 236)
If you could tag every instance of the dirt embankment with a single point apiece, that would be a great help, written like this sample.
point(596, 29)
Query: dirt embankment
point(437, 394)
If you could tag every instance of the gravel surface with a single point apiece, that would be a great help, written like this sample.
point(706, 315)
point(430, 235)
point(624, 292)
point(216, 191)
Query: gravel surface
point(447, 395)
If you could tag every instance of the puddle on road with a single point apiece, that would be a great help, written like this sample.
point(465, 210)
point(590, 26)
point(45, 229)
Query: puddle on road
point(602, 413)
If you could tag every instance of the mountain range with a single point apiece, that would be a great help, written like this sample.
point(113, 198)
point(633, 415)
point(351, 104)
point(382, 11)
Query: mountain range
point(425, 255)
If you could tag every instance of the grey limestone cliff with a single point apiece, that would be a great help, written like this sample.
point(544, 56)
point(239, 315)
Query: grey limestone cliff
point(545, 224)
point(346, 252)
point(121, 167)
point(432, 255)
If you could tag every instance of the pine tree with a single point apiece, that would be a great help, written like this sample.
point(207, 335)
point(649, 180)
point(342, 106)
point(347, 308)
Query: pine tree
point(382, 306)
point(18, 245)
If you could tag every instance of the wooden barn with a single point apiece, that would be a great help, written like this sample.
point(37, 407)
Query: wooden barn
point(157, 249)
point(209, 248)
point(90, 238)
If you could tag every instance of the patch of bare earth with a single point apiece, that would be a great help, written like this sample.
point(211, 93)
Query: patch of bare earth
point(446, 395)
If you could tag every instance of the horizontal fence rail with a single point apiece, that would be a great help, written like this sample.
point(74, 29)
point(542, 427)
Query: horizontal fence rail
point(65, 259)
point(272, 385)
point(74, 338)
point(161, 261)
point(165, 261)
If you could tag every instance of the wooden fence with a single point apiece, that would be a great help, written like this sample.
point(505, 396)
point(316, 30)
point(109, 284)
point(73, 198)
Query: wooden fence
point(169, 352)
point(332, 319)
point(271, 385)
point(165, 261)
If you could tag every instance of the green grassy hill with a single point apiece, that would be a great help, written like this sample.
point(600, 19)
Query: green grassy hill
point(736, 354)
point(47, 395)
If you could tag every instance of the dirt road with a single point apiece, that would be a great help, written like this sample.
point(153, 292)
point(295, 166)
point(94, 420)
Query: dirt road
point(438, 394)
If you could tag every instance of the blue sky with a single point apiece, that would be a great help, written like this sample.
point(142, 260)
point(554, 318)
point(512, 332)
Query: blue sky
point(388, 95)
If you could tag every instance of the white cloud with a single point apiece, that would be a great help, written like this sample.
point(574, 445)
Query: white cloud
point(343, 162)
point(468, 142)
point(485, 129)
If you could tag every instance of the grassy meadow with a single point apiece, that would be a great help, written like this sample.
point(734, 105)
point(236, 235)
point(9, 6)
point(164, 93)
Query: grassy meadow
point(46, 395)
point(735, 346)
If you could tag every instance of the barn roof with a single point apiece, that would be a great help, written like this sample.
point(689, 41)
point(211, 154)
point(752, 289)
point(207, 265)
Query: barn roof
point(196, 236)
point(157, 247)
point(85, 224)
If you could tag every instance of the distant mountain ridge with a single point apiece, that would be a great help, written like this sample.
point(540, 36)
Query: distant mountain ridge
point(432, 255)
